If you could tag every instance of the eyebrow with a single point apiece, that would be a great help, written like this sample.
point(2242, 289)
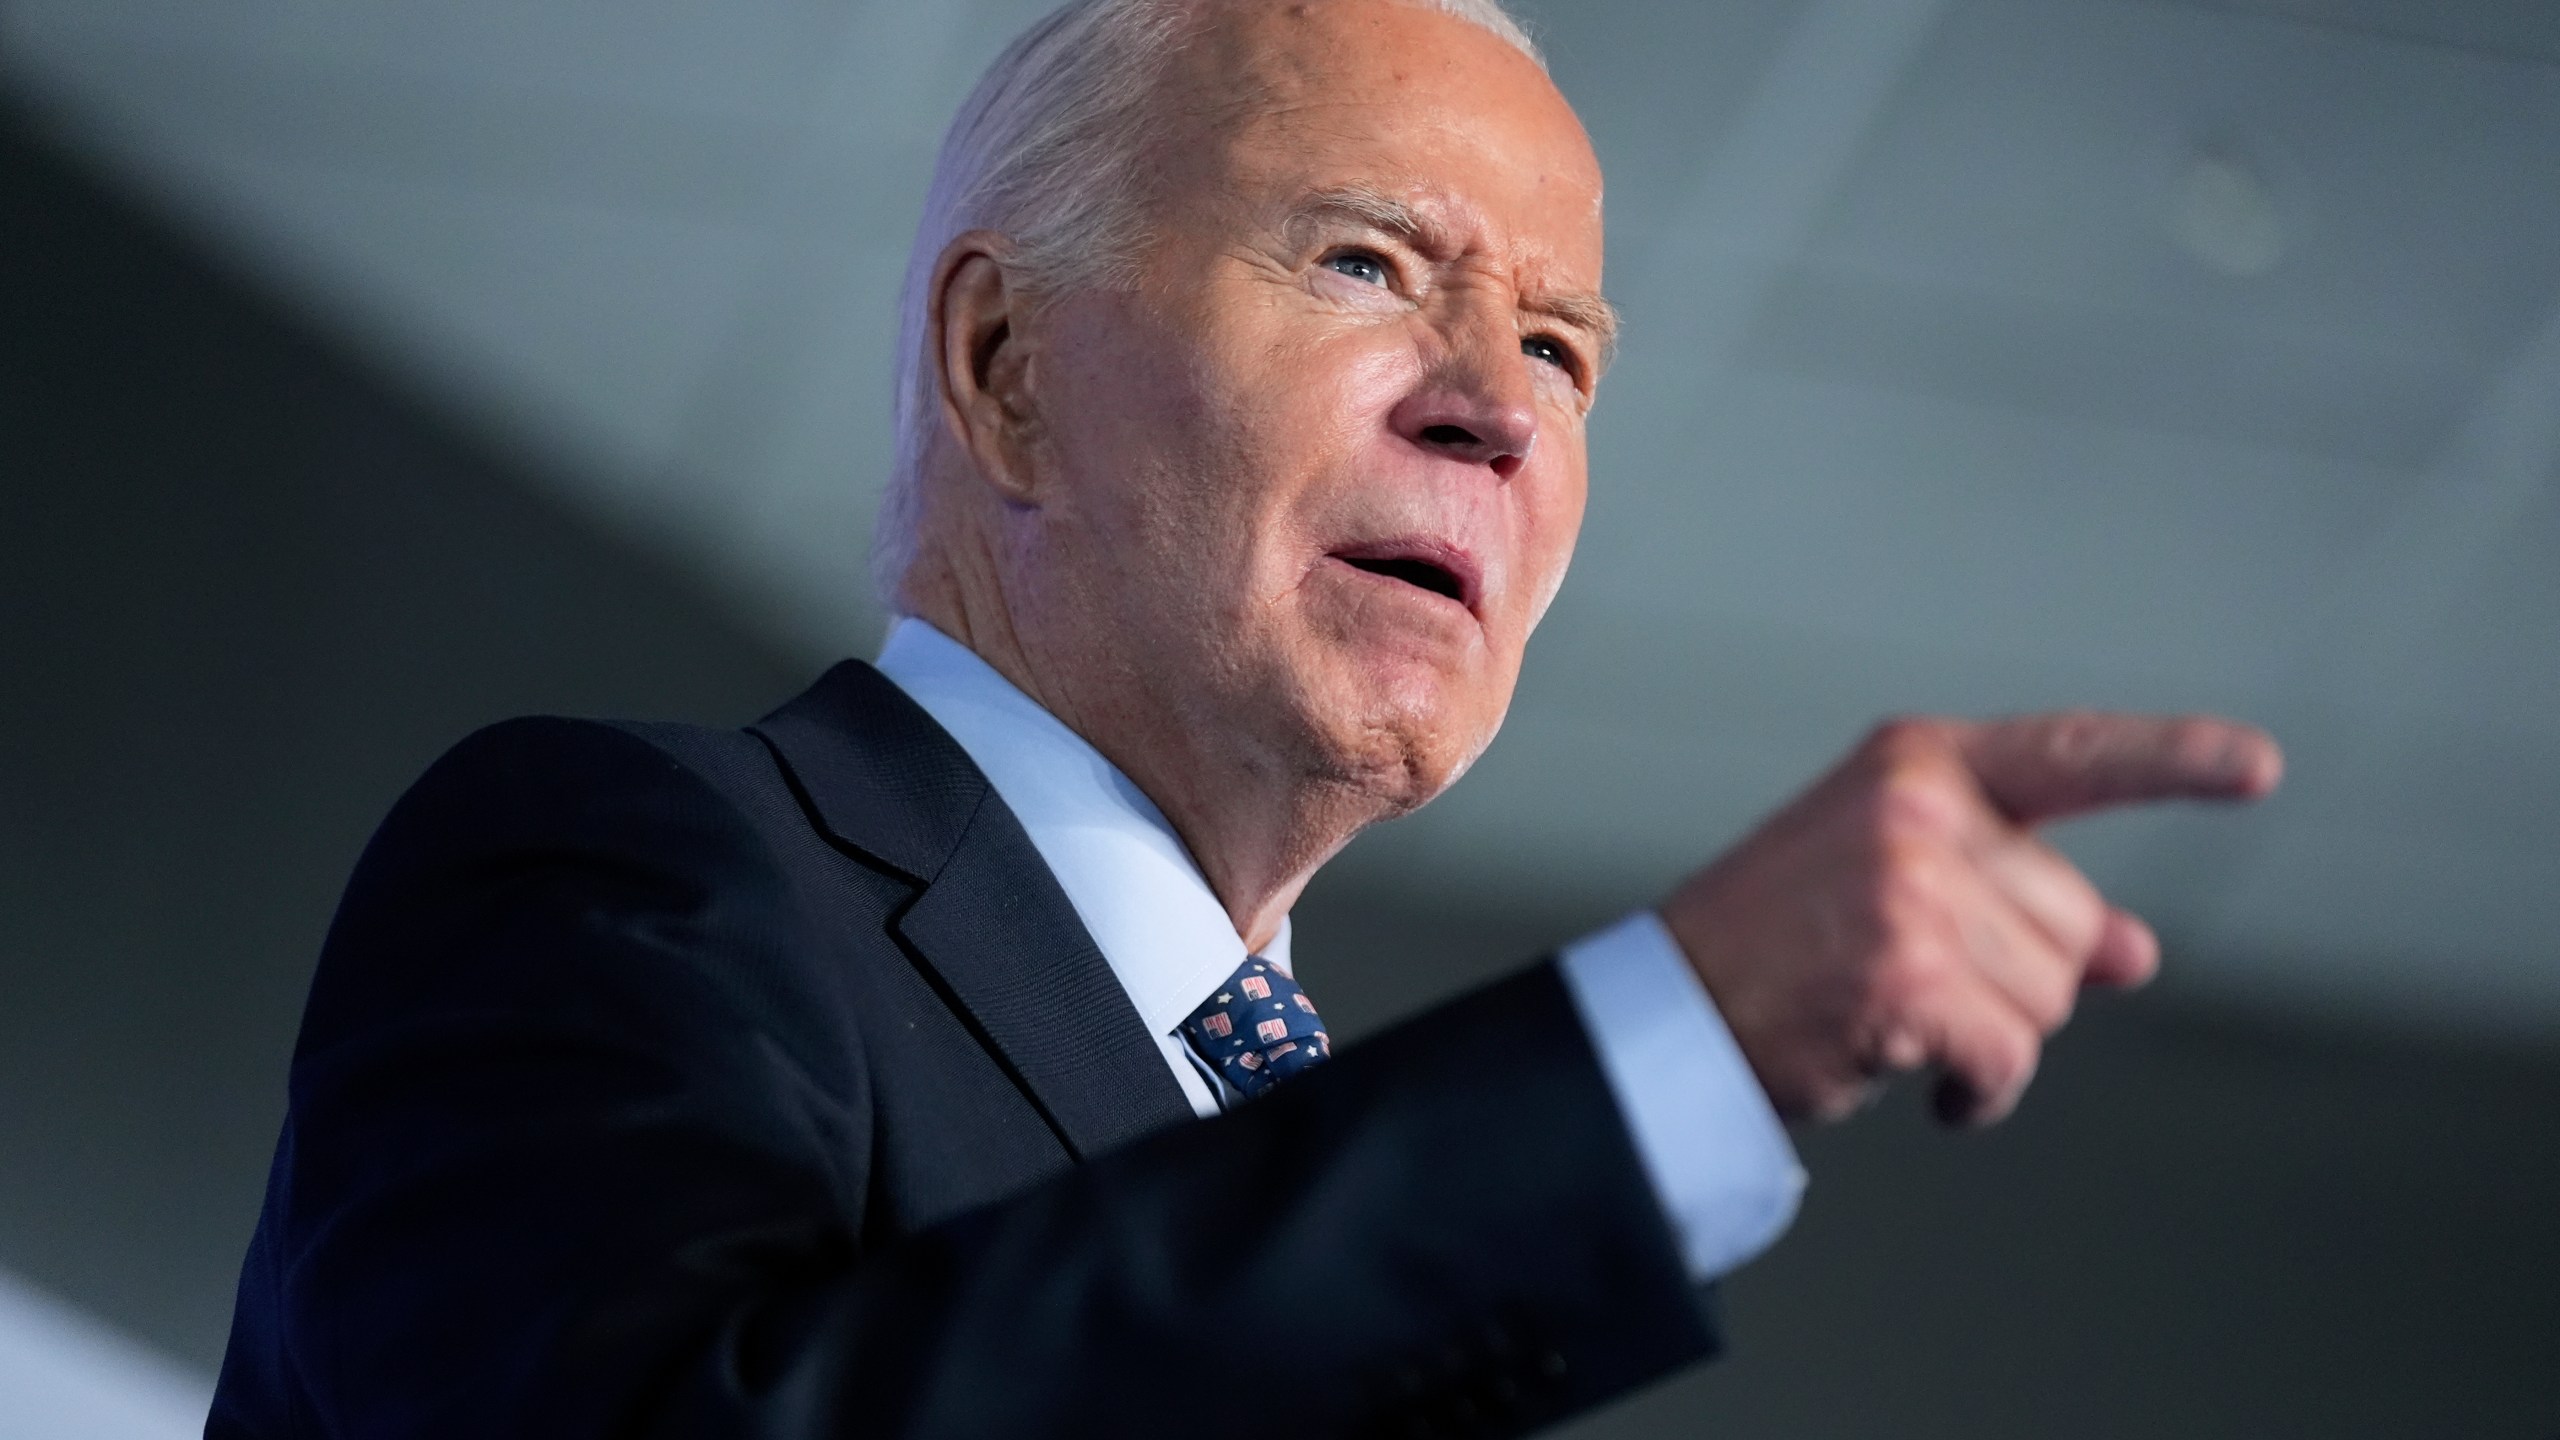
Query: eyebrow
point(1584, 309)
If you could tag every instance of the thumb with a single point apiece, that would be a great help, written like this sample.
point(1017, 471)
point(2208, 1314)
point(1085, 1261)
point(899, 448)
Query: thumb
point(2127, 953)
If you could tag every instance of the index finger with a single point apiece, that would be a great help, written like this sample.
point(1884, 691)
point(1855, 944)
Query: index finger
point(2036, 768)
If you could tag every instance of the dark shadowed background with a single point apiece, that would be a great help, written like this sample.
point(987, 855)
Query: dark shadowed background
point(368, 373)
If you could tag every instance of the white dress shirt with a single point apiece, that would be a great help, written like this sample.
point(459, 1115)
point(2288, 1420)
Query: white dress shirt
point(1719, 1160)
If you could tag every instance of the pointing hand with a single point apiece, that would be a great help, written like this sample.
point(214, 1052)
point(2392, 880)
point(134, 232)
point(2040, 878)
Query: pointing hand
point(1902, 913)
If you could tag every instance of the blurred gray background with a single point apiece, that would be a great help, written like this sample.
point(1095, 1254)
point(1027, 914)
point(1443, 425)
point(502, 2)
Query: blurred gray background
point(373, 369)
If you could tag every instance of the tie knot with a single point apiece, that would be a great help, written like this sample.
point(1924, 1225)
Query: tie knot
point(1259, 1028)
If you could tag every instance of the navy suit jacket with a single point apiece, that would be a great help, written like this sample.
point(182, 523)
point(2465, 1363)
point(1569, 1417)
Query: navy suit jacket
point(667, 1081)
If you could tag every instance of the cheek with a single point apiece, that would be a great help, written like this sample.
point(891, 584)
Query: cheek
point(1141, 433)
point(1319, 407)
point(1550, 519)
point(1112, 391)
point(1305, 422)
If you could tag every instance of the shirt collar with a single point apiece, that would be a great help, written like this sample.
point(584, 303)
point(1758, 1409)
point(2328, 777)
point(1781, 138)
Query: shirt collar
point(1146, 904)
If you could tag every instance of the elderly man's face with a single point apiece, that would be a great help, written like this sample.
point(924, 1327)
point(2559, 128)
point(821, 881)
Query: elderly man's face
point(1321, 475)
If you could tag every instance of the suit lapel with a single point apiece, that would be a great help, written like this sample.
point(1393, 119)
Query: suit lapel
point(991, 925)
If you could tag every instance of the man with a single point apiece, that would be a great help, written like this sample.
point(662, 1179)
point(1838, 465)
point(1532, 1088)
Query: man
point(926, 1060)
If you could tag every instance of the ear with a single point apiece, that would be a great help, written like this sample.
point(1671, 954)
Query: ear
point(984, 359)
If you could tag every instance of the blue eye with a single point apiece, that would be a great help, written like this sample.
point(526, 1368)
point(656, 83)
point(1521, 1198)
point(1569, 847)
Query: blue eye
point(1365, 268)
point(1539, 347)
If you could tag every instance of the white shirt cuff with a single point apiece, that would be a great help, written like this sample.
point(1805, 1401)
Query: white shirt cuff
point(1719, 1159)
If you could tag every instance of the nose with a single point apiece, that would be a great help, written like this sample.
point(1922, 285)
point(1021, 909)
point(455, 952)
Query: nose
point(1477, 408)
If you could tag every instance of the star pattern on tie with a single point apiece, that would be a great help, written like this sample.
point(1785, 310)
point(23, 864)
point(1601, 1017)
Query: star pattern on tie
point(1258, 1030)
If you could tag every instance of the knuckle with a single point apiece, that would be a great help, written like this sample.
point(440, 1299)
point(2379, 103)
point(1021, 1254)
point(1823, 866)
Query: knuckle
point(1921, 797)
point(2051, 1010)
point(2082, 924)
point(2084, 933)
point(2074, 737)
point(1902, 888)
point(2078, 894)
point(1893, 732)
point(1906, 974)
point(1900, 737)
point(2065, 898)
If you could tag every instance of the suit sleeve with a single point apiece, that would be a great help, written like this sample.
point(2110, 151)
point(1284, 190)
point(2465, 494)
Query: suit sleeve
point(562, 1160)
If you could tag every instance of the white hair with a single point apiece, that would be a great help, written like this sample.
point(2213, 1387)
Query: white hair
point(1049, 150)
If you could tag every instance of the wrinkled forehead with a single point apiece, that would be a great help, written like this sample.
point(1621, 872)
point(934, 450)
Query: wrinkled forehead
point(1267, 103)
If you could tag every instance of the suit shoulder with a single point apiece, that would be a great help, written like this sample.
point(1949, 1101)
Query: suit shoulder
point(548, 773)
point(669, 810)
point(544, 750)
point(547, 857)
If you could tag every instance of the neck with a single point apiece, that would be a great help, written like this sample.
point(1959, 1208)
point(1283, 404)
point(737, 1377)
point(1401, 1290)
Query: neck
point(1258, 829)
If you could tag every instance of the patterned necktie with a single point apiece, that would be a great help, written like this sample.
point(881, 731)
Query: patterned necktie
point(1258, 1029)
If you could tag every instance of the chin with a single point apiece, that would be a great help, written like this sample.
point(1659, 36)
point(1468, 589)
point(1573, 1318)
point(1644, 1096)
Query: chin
point(1400, 729)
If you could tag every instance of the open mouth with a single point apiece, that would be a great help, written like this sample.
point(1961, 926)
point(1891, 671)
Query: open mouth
point(1420, 573)
point(1430, 567)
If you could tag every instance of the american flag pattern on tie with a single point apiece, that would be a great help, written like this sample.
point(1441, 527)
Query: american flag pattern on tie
point(1259, 1029)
